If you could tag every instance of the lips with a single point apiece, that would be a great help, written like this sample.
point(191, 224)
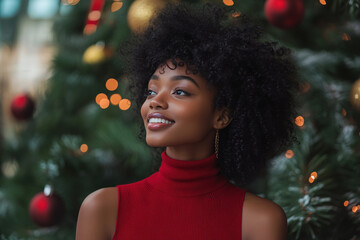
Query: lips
point(158, 115)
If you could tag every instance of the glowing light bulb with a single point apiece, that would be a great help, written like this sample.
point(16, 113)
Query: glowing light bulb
point(111, 84)
point(124, 104)
point(84, 148)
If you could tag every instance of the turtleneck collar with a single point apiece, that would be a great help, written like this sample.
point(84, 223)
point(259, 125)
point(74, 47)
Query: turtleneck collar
point(187, 178)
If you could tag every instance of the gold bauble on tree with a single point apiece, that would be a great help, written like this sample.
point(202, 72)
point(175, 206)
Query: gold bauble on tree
point(140, 13)
point(97, 53)
point(355, 95)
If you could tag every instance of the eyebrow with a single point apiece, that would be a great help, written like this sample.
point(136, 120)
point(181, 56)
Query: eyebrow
point(176, 78)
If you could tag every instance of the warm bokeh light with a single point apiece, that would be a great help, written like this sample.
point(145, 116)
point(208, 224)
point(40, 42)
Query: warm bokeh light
point(111, 84)
point(94, 15)
point(355, 208)
point(104, 103)
point(90, 28)
point(322, 2)
point(99, 97)
point(289, 154)
point(346, 203)
point(236, 14)
point(83, 148)
point(343, 111)
point(9, 168)
point(305, 87)
point(228, 2)
point(115, 6)
point(314, 174)
point(115, 99)
point(345, 37)
point(311, 179)
point(299, 120)
point(71, 2)
point(124, 104)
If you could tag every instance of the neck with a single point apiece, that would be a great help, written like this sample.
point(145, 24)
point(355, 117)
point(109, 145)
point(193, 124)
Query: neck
point(193, 151)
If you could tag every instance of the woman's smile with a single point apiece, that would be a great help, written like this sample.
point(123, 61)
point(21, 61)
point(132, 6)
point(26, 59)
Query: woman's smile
point(158, 121)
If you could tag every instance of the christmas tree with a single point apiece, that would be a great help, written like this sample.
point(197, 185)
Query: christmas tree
point(80, 134)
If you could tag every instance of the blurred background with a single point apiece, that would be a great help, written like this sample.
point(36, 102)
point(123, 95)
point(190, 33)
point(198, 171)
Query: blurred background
point(67, 129)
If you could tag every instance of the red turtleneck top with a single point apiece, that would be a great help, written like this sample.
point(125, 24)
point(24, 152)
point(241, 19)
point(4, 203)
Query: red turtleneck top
point(184, 200)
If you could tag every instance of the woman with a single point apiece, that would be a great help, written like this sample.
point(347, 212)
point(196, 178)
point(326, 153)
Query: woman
point(221, 103)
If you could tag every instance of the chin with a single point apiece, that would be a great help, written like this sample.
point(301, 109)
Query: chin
point(155, 143)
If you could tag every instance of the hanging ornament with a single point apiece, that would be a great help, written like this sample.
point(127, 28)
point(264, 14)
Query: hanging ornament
point(22, 107)
point(93, 16)
point(284, 13)
point(47, 208)
point(140, 13)
point(355, 95)
point(96, 53)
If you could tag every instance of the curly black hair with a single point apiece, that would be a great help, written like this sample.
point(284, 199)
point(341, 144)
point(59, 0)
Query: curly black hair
point(257, 80)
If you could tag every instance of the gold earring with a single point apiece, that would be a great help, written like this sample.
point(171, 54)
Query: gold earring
point(217, 143)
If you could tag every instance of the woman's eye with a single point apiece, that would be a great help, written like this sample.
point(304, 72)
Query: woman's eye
point(181, 92)
point(149, 92)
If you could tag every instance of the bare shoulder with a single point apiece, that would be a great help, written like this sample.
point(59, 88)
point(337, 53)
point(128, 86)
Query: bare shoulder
point(263, 219)
point(97, 215)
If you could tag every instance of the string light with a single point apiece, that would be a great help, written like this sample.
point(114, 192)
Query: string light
point(228, 2)
point(71, 2)
point(355, 208)
point(346, 203)
point(314, 174)
point(111, 84)
point(312, 177)
point(236, 14)
point(104, 103)
point(322, 2)
point(289, 153)
point(84, 148)
point(99, 97)
point(299, 120)
point(124, 104)
point(115, 99)
point(116, 5)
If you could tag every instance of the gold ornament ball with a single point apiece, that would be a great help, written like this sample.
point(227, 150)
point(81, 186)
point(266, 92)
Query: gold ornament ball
point(140, 13)
point(94, 54)
point(355, 95)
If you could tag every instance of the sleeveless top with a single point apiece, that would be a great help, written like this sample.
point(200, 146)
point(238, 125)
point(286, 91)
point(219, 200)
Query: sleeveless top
point(184, 200)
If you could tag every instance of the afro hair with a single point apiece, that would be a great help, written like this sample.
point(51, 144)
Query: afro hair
point(256, 80)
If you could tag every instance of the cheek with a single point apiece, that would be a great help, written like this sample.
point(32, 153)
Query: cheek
point(196, 114)
point(143, 110)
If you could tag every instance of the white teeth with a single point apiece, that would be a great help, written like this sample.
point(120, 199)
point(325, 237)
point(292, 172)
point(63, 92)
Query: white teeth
point(159, 120)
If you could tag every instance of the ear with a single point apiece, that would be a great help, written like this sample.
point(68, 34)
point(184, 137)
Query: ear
point(222, 118)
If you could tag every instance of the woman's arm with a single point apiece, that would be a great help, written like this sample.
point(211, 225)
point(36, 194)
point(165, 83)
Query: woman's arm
point(97, 215)
point(263, 219)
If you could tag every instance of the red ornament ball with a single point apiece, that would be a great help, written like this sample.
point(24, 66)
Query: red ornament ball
point(46, 211)
point(22, 107)
point(284, 13)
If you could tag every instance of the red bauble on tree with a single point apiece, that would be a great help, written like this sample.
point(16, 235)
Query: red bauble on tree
point(22, 107)
point(47, 208)
point(284, 13)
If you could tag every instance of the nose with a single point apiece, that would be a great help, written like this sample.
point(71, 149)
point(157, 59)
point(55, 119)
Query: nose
point(158, 101)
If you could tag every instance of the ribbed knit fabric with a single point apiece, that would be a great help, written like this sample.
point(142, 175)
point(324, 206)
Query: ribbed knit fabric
point(184, 200)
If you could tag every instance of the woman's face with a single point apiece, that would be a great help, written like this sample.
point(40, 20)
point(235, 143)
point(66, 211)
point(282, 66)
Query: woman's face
point(186, 101)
